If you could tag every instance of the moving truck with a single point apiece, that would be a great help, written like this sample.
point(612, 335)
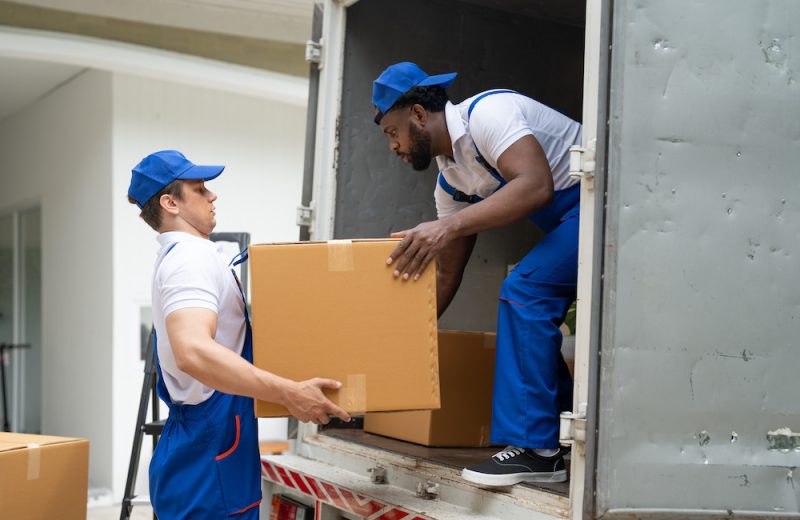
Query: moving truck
point(687, 397)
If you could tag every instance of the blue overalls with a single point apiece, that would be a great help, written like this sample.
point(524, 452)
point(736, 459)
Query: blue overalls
point(532, 384)
point(206, 463)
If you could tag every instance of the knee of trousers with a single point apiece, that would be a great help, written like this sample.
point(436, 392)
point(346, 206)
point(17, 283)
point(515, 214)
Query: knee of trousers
point(527, 290)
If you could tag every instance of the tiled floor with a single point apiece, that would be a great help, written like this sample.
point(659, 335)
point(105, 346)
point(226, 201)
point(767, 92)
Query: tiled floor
point(112, 513)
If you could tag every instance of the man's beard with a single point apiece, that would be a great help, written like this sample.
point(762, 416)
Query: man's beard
point(420, 148)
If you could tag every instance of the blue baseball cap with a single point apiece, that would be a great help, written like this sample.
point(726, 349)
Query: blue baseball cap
point(399, 79)
point(158, 169)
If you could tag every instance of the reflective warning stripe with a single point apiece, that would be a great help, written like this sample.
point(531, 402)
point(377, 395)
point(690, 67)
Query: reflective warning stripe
point(334, 495)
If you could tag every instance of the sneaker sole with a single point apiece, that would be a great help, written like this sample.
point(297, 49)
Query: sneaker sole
point(513, 478)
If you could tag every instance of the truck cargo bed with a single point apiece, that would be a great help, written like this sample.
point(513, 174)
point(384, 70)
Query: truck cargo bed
point(456, 458)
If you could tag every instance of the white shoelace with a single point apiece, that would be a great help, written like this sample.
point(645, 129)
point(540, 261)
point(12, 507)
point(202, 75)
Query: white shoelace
point(508, 452)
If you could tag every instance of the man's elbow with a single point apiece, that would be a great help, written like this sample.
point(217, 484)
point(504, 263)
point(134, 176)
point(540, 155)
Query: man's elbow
point(545, 196)
point(187, 357)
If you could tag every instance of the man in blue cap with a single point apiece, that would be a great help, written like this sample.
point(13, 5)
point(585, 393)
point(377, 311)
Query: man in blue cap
point(206, 463)
point(501, 157)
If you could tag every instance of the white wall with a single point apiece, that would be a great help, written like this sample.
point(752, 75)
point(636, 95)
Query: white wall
point(57, 154)
point(261, 144)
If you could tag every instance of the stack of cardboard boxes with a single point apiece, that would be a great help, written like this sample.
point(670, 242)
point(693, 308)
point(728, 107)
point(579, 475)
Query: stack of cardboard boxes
point(333, 309)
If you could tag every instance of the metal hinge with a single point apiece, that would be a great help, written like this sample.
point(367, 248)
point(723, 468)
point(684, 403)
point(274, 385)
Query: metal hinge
point(313, 51)
point(305, 215)
point(573, 426)
point(581, 160)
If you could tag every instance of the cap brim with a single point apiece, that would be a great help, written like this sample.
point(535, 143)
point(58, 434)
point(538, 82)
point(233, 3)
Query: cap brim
point(443, 80)
point(201, 173)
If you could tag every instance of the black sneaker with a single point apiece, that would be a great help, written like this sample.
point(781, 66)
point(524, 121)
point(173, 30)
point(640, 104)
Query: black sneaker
point(514, 465)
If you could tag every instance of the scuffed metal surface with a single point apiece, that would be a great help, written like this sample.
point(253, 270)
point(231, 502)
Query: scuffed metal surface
point(701, 300)
point(783, 440)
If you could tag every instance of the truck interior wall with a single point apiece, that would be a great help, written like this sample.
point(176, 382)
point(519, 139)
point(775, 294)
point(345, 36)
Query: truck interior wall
point(490, 48)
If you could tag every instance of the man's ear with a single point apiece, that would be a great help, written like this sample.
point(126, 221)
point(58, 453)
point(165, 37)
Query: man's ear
point(168, 204)
point(419, 114)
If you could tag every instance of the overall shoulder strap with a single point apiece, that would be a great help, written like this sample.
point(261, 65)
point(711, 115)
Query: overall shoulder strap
point(458, 195)
point(239, 259)
point(164, 255)
point(483, 162)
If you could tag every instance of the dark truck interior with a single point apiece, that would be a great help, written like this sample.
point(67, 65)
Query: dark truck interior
point(535, 47)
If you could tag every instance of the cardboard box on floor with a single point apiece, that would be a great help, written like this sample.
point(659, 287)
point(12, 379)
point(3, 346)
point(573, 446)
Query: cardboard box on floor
point(466, 369)
point(43, 477)
point(333, 309)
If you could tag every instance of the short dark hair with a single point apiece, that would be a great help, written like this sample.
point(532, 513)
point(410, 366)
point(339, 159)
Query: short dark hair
point(151, 211)
point(432, 98)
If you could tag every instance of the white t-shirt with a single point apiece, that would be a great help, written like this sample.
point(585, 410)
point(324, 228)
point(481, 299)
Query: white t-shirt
point(497, 122)
point(194, 274)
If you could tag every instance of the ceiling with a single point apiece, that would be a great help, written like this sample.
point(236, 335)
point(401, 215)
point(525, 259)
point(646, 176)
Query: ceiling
point(277, 20)
point(23, 82)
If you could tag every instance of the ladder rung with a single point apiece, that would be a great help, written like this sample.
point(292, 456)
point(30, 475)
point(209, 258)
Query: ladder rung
point(154, 428)
point(140, 500)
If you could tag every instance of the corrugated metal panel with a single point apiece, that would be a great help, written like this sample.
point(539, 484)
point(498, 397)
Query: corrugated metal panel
point(702, 301)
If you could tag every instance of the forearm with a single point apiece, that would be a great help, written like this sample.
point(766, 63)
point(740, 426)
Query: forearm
point(518, 199)
point(452, 261)
point(446, 288)
point(222, 369)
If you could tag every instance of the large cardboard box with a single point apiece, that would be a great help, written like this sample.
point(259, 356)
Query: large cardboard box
point(466, 369)
point(333, 309)
point(43, 477)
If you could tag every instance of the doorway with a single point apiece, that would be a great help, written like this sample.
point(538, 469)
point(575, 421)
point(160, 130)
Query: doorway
point(21, 318)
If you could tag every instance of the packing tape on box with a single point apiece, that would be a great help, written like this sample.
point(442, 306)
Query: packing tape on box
point(340, 255)
point(489, 341)
point(354, 393)
point(34, 460)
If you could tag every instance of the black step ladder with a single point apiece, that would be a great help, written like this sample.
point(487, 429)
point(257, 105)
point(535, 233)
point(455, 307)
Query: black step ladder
point(149, 397)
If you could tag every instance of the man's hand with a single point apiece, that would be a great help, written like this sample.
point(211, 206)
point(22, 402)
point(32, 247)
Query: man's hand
point(306, 401)
point(418, 247)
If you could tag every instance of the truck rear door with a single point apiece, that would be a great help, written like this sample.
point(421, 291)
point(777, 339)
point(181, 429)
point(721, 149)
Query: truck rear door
point(698, 396)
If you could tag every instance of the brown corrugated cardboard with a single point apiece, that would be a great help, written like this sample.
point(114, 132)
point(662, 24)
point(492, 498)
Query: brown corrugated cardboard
point(43, 477)
point(466, 369)
point(333, 309)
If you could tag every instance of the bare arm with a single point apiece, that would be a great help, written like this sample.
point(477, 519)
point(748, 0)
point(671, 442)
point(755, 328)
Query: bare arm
point(529, 188)
point(451, 263)
point(191, 332)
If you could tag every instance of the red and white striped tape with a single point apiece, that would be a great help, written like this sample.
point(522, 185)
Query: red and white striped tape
point(335, 495)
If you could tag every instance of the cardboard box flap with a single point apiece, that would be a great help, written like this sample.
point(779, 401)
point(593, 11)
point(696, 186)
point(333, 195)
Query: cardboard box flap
point(18, 441)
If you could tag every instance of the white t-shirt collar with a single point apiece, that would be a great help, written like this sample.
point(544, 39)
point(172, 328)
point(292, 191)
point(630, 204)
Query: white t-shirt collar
point(456, 125)
point(170, 237)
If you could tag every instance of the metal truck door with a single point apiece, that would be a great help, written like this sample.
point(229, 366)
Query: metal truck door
point(699, 408)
